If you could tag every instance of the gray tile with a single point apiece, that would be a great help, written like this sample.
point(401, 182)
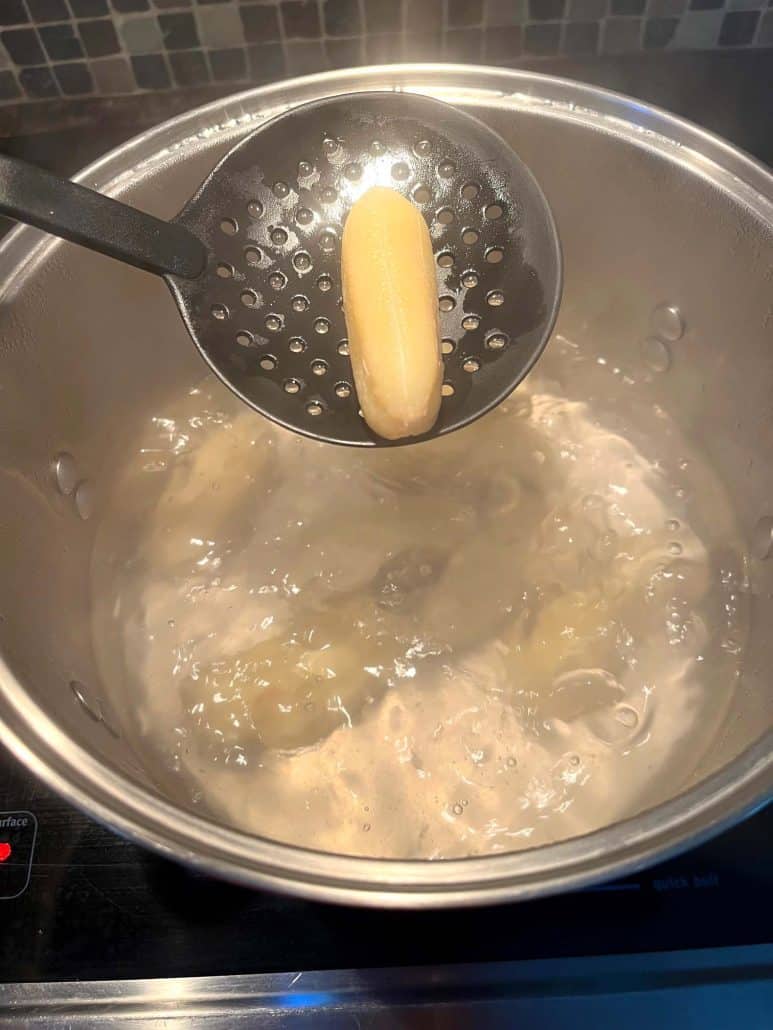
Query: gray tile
point(9, 87)
point(423, 46)
point(463, 45)
point(112, 75)
point(220, 26)
point(306, 58)
point(765, 30)
point(745, 5)
point(666, 8)
point(621, 35)
point(141, 35)
point(229, 65)
point(344, 53)
point(586, 10)
point(5, 60)
point(502, 43)
point(580, 37)
point(384, 48)
point(698, 30)
point(504, 12)
point(266, 62)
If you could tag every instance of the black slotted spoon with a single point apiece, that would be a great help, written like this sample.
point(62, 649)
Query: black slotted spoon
point(253, 259)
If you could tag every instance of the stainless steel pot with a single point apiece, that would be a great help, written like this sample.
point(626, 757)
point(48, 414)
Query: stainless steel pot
point(650, 210)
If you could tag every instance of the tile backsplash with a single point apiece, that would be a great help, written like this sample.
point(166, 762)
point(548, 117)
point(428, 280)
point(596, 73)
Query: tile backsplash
point(76, 48)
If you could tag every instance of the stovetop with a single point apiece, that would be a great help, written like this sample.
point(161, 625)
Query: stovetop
point(96, 906)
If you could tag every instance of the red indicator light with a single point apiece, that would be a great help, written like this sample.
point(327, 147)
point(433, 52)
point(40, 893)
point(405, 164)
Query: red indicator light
point(5, 851)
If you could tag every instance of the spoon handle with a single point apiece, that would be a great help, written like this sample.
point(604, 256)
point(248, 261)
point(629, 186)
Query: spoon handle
point(92, 220)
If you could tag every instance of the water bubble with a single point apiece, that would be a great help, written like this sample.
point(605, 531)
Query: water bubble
point(65, 473)
point(655, 354)
point(305, 168)
point(281, 190)
point(377, 148)
point(84, 499)
point(304, 216)
point(458, 809)
point(628, 716)
point(423, 148)
point(324, 283)
point(666, 320)
point(675, 548)
point(612, 723)
point(511, 762)
point(762, 538)
point(328, 195)
point(330, 145)
point(672, 525)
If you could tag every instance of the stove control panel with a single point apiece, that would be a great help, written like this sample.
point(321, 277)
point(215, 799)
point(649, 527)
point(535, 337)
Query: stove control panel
point(18, 832)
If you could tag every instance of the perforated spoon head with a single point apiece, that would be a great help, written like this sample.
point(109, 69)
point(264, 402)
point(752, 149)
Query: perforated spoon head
point(267, 312)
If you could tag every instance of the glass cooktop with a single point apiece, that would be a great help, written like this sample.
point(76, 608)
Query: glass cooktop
point(79, 902)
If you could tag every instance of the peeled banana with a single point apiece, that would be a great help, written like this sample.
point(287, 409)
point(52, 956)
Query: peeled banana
point(390, 303)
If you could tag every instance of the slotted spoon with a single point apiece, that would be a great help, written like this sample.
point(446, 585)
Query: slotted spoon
point(252, 260)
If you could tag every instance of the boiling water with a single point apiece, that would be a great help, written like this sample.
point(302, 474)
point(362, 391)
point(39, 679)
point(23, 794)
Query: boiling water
point(509, 636)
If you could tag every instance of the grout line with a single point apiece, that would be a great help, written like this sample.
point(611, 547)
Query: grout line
point(282, 35)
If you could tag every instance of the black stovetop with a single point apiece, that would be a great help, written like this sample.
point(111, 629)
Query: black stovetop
point(99, 907)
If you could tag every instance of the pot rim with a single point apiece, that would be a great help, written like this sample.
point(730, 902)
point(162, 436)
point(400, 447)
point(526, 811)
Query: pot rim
point(703, 810)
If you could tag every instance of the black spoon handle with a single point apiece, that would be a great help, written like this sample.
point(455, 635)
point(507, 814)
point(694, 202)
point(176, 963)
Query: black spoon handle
point(83, 216)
